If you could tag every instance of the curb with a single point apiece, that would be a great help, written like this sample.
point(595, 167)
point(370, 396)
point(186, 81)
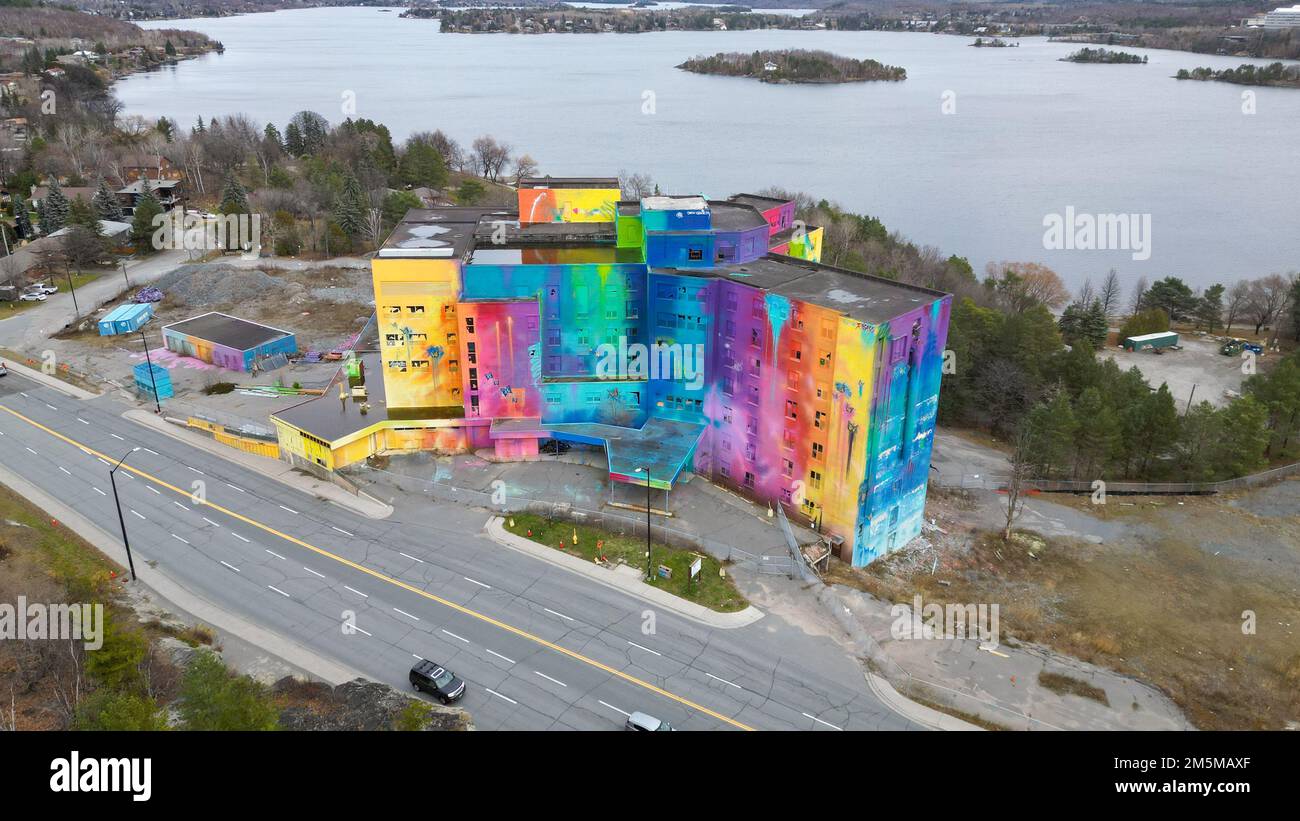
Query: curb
point(633, 587)
point(919, 713)
point(281, 472)
point(172, 595)
point(49, 381)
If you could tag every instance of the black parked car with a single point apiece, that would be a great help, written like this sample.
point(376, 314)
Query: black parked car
point(437, 681)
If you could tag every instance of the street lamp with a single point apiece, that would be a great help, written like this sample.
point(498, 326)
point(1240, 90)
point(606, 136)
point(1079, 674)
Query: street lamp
point(646, 471)
point(112, 480)
point(152, 381)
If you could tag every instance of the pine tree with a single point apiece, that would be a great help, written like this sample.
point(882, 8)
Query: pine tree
point(272, 136)
point(106, 204)
point(40, 214)
point(293, 140)
point(1051, 429)
point(350, 207)
point(56, 209)
point(234, 199)
point(142, 227)
point(1097, 436)
point(22, 220)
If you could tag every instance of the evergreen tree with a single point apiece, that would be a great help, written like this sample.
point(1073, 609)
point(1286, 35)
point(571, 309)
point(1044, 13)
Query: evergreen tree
point(1097, 435)
point(422, 165)
point(142, 227)
point(1242, 438)
point(272, 135)
point(293, 140)
point(22, 220)
point(350, 207)
point(1051, 429)
point(56, 209)
point(234, 199)
point(1209, 308)
point(106, 204)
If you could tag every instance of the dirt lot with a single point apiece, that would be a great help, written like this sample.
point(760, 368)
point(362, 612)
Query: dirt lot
point(1162, 601)
point(1198, 364)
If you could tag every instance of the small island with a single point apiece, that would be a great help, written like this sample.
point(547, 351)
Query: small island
point(1102, 55)
point(996, 42)
point(1273, 74)
point(794, 66)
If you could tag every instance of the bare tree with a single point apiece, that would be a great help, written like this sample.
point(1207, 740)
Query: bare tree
point(490, 156)
point(1238, 296)
point(1021, 464)
point(635, 186)
point(1139, 296)
point(1110, 293)
point(525, 166)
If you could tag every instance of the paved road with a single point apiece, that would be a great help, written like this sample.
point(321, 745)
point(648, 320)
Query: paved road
point(541, 648)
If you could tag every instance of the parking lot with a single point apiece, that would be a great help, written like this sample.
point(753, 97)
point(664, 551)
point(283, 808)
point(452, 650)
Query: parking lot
point(1198, 365)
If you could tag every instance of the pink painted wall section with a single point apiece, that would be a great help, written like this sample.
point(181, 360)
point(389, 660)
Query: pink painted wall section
point(498, 360)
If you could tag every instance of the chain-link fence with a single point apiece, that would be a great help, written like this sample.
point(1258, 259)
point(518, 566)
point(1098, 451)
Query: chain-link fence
point(999, 482)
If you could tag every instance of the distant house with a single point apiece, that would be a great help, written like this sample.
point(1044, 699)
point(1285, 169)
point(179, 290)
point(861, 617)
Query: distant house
point(114, 231)
point(55, 73)
point(150, 167)
point(169, 193)
point(14, 129)
point(769, 66)
point(40, 192)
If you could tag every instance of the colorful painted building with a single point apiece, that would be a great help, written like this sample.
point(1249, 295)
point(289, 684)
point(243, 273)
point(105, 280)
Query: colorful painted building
point(679, 333)
point(227, 341)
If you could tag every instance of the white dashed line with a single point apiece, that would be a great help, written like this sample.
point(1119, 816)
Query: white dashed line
point(476, 581)
point(196, 470)
point(498, 655)
point(291, 510)
point(51, 407)
point(344, 532)
point(179, 539)
point(313, 572)
point(232, 487)
point(358, 592)
point(34, 453)
point(498, 695)
point(146, 450)
point(154, 489)
point(456, 637)
point(240, 538)
point(278, 590)
point(548, 678)
point(65, 470)
point(231, 566)
point(209, 521)
point(97, 490)
point(418, 656)
point(647, 649)
point(277, 555)
point(409, 556)
point(827, 723)
point(134, 512)
point(82, 421)
point(359, 630)
point(724, 681)
point(557, 613)
point(615, 709)
point(404, 613)
point(181, 506)
point(115, 436)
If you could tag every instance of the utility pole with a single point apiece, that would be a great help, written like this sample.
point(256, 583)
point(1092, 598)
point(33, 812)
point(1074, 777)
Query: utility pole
point(122, 262)
point(112, 480)
point(156, 402)
point(646, 470)
point(68, 273)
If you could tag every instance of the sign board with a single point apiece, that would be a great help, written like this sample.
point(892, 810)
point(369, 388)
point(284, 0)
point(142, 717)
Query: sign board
point(695, 566)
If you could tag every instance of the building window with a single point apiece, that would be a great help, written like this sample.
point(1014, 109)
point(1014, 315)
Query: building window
point(694, 254)
point(787, 467)
point(814, 480)
point(818, 450)
point(415, 309)
point(791, 409)
point(817, 418)
point(469, 325)
point(749, 479)
point(471, 351)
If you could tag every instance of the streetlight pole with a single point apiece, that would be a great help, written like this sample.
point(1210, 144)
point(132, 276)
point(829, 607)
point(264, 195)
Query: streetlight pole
point(68, 273)
point(646, 470)
point(152, 381)
point(122, 262)
point(112, 480)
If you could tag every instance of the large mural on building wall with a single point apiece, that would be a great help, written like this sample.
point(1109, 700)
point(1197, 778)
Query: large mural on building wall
point(567, 204)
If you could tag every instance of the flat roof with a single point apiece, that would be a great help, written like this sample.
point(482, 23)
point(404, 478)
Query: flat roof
point(866, 298)
point(689, 202)
point(569, 182)
point(734, 216)
point(760, 201)
point(1146, 337)
point(226, 330)
point(438, 233)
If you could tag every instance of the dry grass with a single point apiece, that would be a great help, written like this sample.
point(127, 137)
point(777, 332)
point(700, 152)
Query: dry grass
point(1069, 685)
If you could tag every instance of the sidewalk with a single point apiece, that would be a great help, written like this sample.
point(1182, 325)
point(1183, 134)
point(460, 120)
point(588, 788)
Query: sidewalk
point(174, 597)
point(49, 381)
point(281, 472)
point(621, 579)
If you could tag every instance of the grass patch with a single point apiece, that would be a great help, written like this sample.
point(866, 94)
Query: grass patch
point(969, 718)
point(1069, 685)
point(219, 388)
point(710, 588)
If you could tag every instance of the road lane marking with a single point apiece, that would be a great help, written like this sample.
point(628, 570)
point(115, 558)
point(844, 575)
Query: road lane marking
point(359, 630)
point(97, 490)
point(196, 470)
point(548, 678)
point(65, 470)
point(115, 436)
point(404, 613)
point(724, 681)
point(498, 655)
point(827, 723)
point(209, 521)
point(410, 588)
point(454, 636)
point(32, 452)
point(231, 566)
point(281, 592)
point(232, 487)
point(154, 489)
point(647, 649)
point(344, 532)
point(498, 695)
point(181, 506)
point(277, 555)
point(179, 539)
point(237, 536)
point(615, 709)
point(476, 581)
point(358, 592)
point(82, 421)
point(412, 558)
point(146, 450)
point(137, 513)
point(51, 407)
point(291, 510)
point(313, 572)
point(555, 613)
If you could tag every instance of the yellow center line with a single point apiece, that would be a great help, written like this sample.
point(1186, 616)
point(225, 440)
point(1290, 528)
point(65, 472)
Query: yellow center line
point(390, 580)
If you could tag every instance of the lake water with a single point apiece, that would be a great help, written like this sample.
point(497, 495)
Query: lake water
point(970, 154)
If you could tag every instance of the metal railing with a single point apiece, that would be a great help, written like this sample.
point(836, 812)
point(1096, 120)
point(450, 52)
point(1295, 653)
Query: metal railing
point(1000, 481)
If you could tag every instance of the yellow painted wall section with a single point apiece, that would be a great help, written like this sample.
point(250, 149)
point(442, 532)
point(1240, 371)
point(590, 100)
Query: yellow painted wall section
point(855, 354)
point(416, 304)
point(568, 204)
point(294, 441)
point(810, 248)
